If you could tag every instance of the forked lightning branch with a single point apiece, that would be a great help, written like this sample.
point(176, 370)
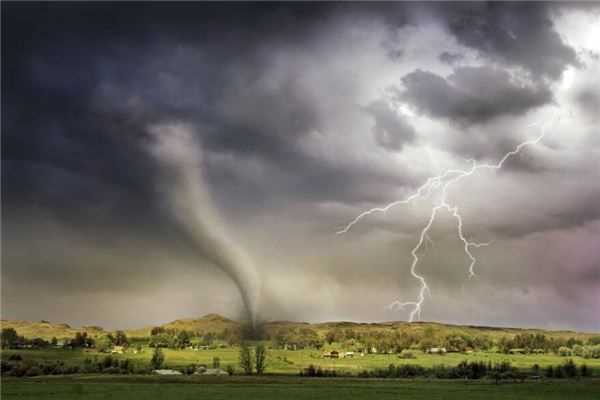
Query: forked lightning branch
point(442, 183)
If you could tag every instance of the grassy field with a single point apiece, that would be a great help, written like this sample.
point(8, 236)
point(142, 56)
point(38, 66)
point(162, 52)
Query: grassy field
point(292, 362)
point(131, 388)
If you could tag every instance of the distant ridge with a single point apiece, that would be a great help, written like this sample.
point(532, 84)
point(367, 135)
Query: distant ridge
point(217, 323)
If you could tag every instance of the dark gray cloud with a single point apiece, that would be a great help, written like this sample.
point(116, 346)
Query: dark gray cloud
point(471, 94)
point(391, 131)
point(451, 58)
point(286, 103)
point(517, 34)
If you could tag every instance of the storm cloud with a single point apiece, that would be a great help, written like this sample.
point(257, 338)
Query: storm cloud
point(471, 94)
point(305, 114)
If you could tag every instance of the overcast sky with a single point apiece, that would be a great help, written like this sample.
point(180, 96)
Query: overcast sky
point(299, 117)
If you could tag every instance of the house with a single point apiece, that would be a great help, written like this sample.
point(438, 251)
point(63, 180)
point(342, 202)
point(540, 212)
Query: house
point(215, 372)
point(332, 354)
point(166, 372)
point(117, 349)
point(437, 350)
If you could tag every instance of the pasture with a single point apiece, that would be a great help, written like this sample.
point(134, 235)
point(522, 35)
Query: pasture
point(291, 362)
point(290, 388)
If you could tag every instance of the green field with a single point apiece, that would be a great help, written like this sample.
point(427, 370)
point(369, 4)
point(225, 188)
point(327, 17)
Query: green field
point(293, 361)
point(132, 387)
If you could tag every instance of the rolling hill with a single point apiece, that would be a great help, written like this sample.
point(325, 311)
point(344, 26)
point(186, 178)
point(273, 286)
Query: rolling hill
point(217, 323)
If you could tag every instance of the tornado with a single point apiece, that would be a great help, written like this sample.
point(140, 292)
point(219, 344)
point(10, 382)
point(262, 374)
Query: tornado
point(182, 183)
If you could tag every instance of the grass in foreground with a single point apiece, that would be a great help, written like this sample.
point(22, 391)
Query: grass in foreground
point(131, 388)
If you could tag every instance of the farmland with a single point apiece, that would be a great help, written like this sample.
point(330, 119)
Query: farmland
point(135, 387)
point(43, 360)
point(293, 361)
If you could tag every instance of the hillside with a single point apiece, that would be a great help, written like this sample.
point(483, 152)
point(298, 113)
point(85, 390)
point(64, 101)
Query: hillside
point(47, 330)
point(217, 324)
point(208, 323)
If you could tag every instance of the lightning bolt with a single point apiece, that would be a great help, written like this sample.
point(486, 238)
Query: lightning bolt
point(444, 181)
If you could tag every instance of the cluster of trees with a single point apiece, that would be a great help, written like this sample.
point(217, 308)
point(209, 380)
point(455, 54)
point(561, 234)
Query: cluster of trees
point(296, 338)
point(160, 337)
point(174, 339)
point(585, 351)
point(534, 343)
point(396, 341)
point(386, 341)
point(313, 371)
point(464, 370)
point(253, 361)
point(81, 340)
point(477, 370)
point(106, 342)
point(16, 366)
point(11, 340)
point(567, 370)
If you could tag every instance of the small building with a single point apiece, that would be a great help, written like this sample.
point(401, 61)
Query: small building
point(349, 354)
point(215, 372)
point(166, 372)
point(332, 354)
point(117, 349)
point(437, 350)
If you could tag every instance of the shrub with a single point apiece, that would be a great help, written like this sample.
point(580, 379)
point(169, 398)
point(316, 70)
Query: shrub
point(406, 354)
point(312, 371)
point(34, 371)
point(585, 371)
point(440, 372)
point(564, 351)
point(569, 368)
point(260, 358)
point(189, 369)
point(246, 359)
point(158, 358)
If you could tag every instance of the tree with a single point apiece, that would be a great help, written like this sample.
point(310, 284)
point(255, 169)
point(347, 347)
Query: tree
point(246, 359)
point(158, 358)
point(81, 340)
point(157, 330)
point(260, 356)
point(54, 341)
point(9, 338)
point(103, 343)
point(564, 351)
point(455, 343)
point(121, 339)
point(594, 340)
point(216, 362)
point(183, 339)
